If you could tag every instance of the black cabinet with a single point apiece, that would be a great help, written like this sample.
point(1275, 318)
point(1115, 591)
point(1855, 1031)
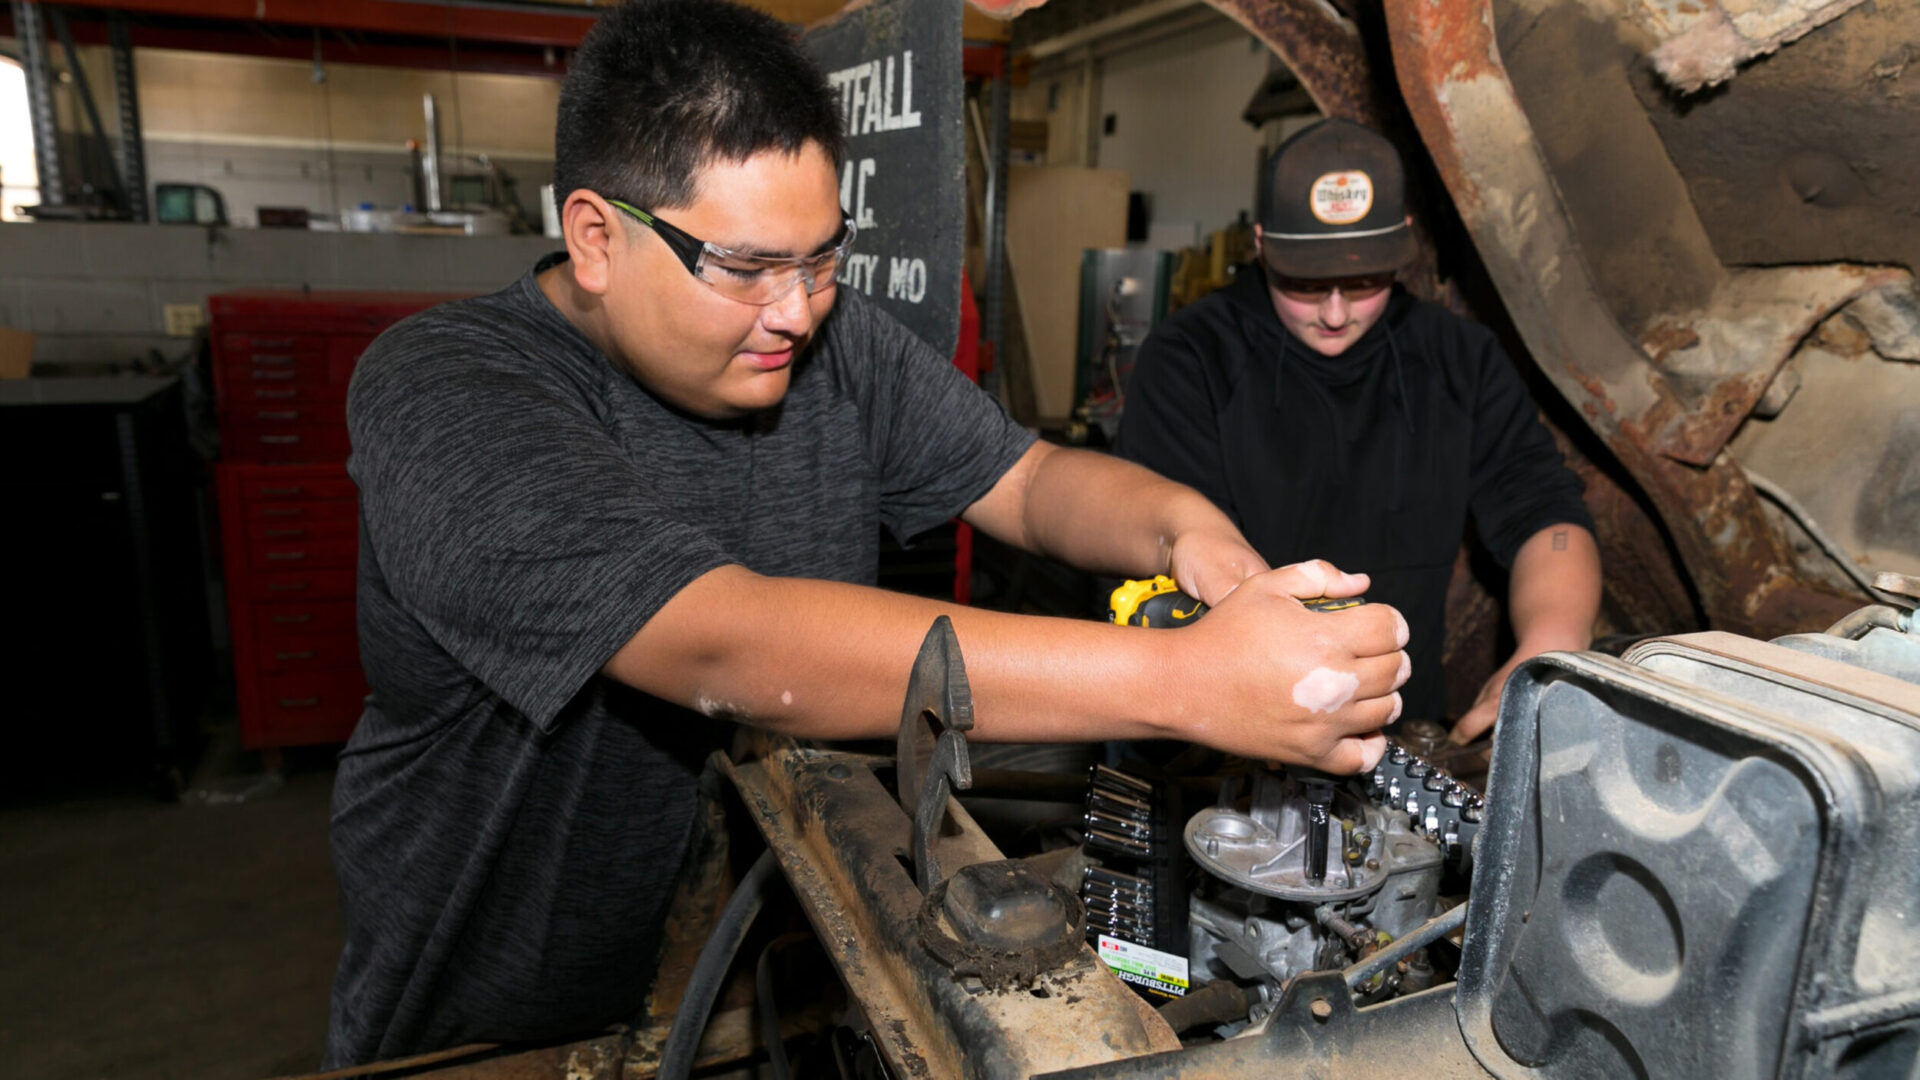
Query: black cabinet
point(105, 647)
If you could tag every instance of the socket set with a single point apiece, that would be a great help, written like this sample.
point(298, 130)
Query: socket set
point(1441, 808)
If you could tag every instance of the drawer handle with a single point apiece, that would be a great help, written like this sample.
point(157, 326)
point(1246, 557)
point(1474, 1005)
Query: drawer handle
point(287, 586)
point(277, 414)
point(299, 702)
point(272, 343)
point(284, 619)
point(285, 556)
point(304, 654)
point(280, 440)
point(286, 532)
point(277, 395)
point(276, 376)
point(281, 490)
point(281, 511)
point(263, 360)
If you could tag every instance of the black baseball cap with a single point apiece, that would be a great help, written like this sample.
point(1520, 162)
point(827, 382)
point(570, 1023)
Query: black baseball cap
point(1337, 206)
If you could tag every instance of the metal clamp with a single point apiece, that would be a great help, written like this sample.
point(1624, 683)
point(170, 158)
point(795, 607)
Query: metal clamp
point(931, 751)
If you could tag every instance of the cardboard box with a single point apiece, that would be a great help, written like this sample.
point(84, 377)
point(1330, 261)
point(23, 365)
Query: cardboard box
point(16, 353)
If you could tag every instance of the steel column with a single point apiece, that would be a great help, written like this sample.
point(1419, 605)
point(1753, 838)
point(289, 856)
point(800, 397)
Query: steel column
point(126, 96)
point(46, 129)
point(58, 20)
point(994, 319)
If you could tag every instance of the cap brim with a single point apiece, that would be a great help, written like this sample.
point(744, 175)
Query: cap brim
point(1310, 260)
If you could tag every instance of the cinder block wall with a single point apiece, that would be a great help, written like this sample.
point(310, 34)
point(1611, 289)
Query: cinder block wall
point(96, 293)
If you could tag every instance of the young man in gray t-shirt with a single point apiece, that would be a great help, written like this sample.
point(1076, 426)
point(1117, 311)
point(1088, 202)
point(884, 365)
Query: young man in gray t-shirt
point(640, 488)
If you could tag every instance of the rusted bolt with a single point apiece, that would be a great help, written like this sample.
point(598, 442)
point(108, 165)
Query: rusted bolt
point(1322, 1009)
point(839, 772)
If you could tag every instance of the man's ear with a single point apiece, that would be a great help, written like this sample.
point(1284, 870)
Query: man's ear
point(588, 222)
point(1257, 234)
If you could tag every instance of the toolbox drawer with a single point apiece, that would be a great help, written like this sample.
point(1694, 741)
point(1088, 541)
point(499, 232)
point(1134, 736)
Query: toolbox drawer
point(287, 442)
point(275, 623)
point(335, 486)
point(297, 708)
point(286, 393)
point(286, 369)
point(271, 533)
point(246, 344)
point(317, 585)
point(311, 510)
point(328, 652)
point(311, 554)
point(270, 414)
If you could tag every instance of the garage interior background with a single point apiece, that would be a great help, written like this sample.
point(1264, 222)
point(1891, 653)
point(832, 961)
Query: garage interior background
point(196, 938)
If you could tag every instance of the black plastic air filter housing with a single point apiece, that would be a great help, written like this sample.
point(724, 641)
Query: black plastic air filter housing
point(1701, 861)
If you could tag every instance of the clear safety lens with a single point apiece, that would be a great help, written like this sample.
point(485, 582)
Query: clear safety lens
point(755, 280)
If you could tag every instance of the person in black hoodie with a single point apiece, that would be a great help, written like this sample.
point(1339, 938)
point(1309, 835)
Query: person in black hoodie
point(1332, 415)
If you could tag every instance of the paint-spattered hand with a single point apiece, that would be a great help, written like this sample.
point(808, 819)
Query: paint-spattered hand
point(1210, 564)
point(1268, 679)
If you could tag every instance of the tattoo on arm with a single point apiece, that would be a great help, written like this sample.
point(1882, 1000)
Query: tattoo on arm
point(1559, 539)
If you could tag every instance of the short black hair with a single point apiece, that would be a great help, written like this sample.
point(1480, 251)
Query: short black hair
point(660, 88)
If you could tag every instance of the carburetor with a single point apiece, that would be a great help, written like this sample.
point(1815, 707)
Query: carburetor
point(1315, 873)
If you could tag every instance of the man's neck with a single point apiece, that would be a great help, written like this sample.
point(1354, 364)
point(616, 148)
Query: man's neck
point(579, 307)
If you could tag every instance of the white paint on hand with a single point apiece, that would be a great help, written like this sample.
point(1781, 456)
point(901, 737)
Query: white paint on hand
point(1316, 574)
point(1324, 690)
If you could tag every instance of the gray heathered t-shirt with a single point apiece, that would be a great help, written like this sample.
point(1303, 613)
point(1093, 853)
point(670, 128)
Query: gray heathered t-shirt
point(508, 824)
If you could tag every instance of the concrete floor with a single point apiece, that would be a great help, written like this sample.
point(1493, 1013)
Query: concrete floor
point(154, 941)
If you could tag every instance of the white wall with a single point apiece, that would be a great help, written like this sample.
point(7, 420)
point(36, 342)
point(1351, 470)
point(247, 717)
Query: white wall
point(97, 292)
point(1178, 131)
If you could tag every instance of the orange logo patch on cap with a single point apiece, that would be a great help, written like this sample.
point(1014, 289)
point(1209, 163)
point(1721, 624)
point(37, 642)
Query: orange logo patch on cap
point(1341, 198)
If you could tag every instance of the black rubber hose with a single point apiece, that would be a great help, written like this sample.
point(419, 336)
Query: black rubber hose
point(781, 1068)
point(716, 956)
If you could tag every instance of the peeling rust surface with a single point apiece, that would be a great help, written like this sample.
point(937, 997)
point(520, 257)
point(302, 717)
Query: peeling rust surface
point(1322, 48)
point(842, 855)
point(1666, 427)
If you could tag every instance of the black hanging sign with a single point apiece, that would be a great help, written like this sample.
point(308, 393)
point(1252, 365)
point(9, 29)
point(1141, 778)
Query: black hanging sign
point(895, 65)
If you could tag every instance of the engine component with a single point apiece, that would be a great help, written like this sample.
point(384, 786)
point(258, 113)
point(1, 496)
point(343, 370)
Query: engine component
point(1317, 872)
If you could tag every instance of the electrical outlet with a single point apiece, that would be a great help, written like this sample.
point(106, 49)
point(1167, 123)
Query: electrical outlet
point(184, 319)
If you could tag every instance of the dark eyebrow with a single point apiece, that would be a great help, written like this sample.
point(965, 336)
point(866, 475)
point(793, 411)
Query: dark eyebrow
point(769, 253)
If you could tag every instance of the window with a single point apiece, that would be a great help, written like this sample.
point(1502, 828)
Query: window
point(19, 178)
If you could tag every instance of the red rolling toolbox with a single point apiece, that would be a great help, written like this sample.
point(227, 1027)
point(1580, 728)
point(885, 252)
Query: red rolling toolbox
point(289, 515)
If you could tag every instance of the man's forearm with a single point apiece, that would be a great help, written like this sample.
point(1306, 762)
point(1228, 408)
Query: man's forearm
point(1111, 516)
point(1554, 591)
point(830, 660)
point(1069, 513)
point(1261, 676)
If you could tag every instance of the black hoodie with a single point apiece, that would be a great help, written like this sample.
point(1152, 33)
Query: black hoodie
point(1371, 460)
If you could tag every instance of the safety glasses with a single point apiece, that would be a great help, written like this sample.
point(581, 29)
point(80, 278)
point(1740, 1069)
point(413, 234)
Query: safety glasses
point(1353, 288)
point(750, 279)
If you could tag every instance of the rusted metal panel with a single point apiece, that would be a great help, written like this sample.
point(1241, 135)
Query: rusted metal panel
point(1323, 49)
point(1480, 139)
point(1317, 1033)
point(1709, 41)
point(840, 837)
